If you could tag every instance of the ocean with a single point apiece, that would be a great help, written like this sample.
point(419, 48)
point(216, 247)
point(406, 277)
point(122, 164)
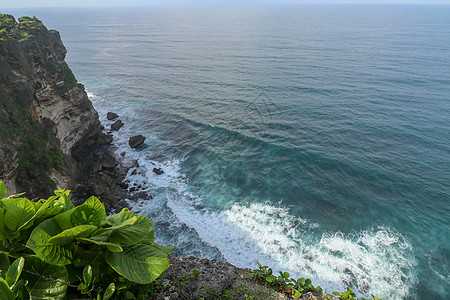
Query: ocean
point(314, 138)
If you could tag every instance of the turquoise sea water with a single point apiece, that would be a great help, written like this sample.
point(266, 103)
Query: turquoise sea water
point(314, 139)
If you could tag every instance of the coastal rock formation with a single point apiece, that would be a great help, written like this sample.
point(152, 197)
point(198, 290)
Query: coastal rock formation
point(158, 171)
point(117, 125)
point(136, 141)
point(111, 116)
point(214, 280)
point(50, 133)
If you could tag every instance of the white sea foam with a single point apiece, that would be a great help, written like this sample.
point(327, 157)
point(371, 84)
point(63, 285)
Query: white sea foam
point(377, 261)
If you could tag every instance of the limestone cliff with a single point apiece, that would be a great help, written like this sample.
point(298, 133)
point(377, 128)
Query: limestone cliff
point(50, 133)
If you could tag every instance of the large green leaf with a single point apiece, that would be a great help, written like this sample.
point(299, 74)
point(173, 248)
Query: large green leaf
point(138, 263)
point(4, 265)
point(3, 237)
point(165, 249)
point(133, 234)
point(69, 235)
point(14, 271)
point(63, 219)
point(111, 246)
point(41, 208)
point(94, 257)
point(2, 189)
point(62, 202)
point(19, 214)
point(125, 217)
point(20, 290)
point(45, 281)
point(150, 238)
point(64, 194)
point(56, 204)
point(118, 221)
point(8, 202)
point(92, 212)
point(5, 291)
point(39, 243)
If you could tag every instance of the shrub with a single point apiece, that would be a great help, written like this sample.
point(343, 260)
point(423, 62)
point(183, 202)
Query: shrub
point(50, 249)
point(297, 287)
point(6, 21)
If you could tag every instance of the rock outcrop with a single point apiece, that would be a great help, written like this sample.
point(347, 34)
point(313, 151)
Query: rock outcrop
point(158, 171)
point(117, 125)
point(50, 133)
point(111, 116)
point(136, 141)
point(202, 278)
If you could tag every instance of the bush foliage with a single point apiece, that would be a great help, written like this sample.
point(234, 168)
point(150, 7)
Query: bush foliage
point(50, 249)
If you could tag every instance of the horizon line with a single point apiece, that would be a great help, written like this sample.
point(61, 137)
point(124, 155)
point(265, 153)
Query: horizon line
point(233, 4)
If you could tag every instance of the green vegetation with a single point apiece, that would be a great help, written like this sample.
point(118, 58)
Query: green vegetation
point(7, 22)
point(6, 69)
point(183, 280)
point(34, 157)
point(9, 131)
point(50, 249)
point(26, 19)
point(67, 76)
point(245, 289)
point(283, 283)
point(296, 287)
point(39, 150)
point(26, 27)
point(64, 73)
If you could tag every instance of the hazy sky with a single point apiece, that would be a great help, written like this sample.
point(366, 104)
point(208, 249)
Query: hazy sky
point(78, 3)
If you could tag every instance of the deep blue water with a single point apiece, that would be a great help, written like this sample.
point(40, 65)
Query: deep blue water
point(314, 139)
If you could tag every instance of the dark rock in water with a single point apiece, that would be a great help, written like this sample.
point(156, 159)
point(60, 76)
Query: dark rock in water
point(158, 171)
point(136, 141)
point(117, 125)
point(109, 160)
point(111, 116)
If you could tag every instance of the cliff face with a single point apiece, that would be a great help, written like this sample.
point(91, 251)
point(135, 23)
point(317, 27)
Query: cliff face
point(50, 133)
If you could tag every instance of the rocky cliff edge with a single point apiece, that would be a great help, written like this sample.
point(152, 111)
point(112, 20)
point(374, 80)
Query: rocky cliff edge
point(50, 134)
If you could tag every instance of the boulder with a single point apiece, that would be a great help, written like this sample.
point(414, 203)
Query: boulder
point(136, 141)
point(111, 116)
point(117, 125)
point(109, 160)
point(158, 171)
